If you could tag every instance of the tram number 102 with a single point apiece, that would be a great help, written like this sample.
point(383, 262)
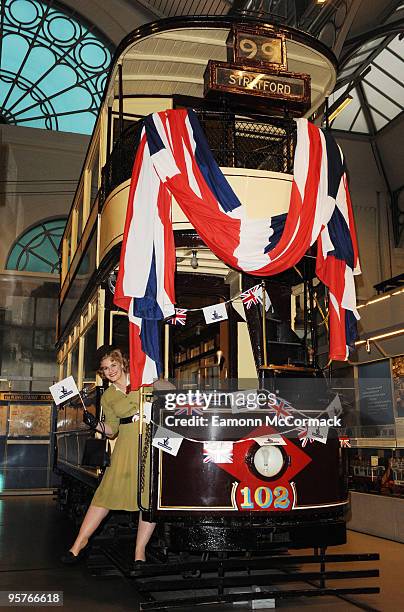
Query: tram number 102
point(264, 497)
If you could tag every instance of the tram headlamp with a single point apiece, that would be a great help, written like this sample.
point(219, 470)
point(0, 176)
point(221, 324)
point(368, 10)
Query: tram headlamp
point(267, 462)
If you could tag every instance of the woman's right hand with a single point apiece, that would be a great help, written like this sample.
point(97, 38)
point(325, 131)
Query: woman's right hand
point(90, 420)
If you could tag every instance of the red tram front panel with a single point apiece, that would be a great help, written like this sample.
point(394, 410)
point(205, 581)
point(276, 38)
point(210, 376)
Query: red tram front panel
point(247, 475)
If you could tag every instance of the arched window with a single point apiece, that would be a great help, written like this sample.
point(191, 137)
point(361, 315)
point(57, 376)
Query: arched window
point(52, 66)
point(36, 250)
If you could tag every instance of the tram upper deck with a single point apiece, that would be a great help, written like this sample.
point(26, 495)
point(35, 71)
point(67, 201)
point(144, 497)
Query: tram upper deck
point(165, 65)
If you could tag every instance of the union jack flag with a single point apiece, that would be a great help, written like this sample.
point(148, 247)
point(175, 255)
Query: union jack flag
point(344, 442)
point(189, 410)
point(250, 297)
point(282, 407)
point(179, 318)
point(218, 452)
point(173, 160)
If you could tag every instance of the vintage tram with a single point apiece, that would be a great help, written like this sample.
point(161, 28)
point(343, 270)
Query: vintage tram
point(246, 81)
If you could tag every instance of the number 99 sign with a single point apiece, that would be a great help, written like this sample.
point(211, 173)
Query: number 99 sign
point(260, 49)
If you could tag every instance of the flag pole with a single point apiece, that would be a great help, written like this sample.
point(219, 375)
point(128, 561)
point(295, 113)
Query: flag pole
point(264, 330)
point(166, 350)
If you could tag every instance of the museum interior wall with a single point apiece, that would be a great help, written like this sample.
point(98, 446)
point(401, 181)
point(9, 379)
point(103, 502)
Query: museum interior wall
point(39, 170)
point(380, 259)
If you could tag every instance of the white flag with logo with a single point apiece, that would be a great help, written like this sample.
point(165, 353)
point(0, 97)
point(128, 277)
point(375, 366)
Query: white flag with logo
point(258, 293)
point(215, 313)
point(64, 390)
point(271, 440)
point(320, 433)
point(334, 408)
point(164, 440)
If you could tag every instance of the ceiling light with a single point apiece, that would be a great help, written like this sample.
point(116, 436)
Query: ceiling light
point(339, 106)
point(380, 337)
point(379, 299)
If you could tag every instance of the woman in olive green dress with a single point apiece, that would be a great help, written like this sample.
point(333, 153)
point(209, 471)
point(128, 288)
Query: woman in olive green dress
point(118, 488)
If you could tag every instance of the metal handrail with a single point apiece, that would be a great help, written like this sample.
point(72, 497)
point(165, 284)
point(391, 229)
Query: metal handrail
point(240, 141)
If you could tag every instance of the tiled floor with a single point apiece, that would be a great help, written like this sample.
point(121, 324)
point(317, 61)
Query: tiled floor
point(33, 535)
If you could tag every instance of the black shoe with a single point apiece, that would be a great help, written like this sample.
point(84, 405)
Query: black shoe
point(70, 559)
point(138, 566)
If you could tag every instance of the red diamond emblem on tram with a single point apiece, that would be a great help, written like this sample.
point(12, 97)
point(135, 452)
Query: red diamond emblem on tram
point(248, 478)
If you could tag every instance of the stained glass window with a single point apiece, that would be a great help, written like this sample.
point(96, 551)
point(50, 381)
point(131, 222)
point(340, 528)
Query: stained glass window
point(36, 250)
point(52, 67)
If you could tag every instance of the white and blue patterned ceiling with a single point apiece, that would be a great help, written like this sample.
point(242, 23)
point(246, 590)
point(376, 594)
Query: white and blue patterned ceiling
point(53, 66)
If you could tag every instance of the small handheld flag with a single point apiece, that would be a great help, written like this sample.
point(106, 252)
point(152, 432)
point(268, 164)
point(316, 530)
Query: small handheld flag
point(64, 390)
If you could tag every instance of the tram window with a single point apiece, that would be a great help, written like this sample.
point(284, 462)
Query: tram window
point(120, 331)
point(90, 349)
point(63, 370)
point(74, 368)
point(79, 219)
point(79, 282)
point(94, 169)
point(66, 252)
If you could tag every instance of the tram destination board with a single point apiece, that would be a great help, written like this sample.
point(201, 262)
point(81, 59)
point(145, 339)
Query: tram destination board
point(282, 89)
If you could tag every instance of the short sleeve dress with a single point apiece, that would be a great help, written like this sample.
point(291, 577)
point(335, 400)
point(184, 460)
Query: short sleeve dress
point(118, 488)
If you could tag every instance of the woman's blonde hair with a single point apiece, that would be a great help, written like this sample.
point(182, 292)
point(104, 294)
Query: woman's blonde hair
point(114, 354)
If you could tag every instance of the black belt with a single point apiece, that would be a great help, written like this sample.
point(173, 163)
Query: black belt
point(129, 419)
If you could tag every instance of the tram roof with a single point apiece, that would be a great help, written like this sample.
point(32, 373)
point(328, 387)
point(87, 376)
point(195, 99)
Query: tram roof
point(169, 57)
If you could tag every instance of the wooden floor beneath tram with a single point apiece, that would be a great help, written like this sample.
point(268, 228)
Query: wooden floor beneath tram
point(33, 535)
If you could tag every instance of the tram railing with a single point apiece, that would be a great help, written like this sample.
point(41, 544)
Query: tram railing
point(256, 142)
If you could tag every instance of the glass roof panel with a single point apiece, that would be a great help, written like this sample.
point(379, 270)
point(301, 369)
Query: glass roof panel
point(397, 45)
point(380, 121)
point(346, 72)
point(383, 82)
point(360, 124)
point(358, 59)
point(372, 44)
point(52, 66)
point(380, 102)
point(390, 63)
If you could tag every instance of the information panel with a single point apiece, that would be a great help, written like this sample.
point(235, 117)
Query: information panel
point(375, 393)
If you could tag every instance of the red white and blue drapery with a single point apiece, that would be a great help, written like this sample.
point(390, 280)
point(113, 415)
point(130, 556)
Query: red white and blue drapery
point(174, 159)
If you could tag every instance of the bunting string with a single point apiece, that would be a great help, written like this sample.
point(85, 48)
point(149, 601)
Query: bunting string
point(282, 408)
point(249, 297)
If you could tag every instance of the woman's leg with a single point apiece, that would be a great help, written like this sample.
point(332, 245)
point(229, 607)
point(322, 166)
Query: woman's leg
point(93, 517)
point(144, 533)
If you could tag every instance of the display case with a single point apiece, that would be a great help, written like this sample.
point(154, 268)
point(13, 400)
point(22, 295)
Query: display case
point(373, 393)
